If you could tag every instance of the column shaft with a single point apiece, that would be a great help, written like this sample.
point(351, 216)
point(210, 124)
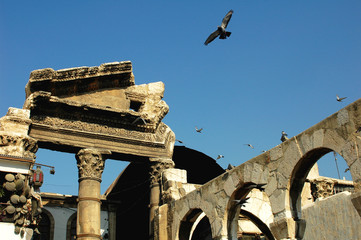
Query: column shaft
point(91, 165)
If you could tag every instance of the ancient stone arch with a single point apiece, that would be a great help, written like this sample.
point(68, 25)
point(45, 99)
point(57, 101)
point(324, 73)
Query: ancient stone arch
point(283, 169)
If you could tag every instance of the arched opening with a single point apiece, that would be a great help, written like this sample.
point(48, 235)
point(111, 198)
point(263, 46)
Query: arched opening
point(249, 219)
point(71, 227)
point(299, 176)
point(46, 226)
point(195, 226)
point(330, 165)
point(251, 227)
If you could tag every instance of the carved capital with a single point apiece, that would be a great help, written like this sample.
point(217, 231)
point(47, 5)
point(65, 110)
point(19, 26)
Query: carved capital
point(157, 166)
point(91, 163)
point(322, 188)
point(15, 145)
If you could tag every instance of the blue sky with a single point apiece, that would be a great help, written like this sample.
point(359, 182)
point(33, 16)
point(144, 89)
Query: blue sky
point(280, 70)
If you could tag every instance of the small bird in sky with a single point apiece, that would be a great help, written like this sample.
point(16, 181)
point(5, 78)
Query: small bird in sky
point(241, 202)
point(199, 130)
point(249, 145)
point(139, 119)
point(284, 136)
point(181, 142)
point(257, 186)
point(220, 156)
point(347, 169)
point(221, 30)
point(340, 99)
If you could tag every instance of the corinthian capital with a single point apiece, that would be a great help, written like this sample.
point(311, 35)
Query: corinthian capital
point(91, 163)
point(157, 166)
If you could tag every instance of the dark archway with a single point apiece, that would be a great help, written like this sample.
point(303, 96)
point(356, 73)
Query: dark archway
point(235, 212)
point(195, 226)
point(299, 175)
point(46, 225)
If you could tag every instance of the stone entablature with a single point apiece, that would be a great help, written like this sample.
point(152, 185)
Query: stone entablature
point(98, 107)
point(73, 81)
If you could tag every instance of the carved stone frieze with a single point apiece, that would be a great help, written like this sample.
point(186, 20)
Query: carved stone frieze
point(90, 163)
point(65, 82)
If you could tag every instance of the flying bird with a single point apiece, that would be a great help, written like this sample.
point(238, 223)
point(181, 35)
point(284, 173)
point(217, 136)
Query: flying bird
point(139, 119)
point(258, 186)
point(221, 30)
point(340, 99)
point(199, 130)
point(181, 142)
point(220, 156)
point(249, 145)
point(284, 136)
point(241, 202)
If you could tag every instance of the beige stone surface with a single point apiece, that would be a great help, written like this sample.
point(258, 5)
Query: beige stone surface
point(280, 167)
point(333, 218)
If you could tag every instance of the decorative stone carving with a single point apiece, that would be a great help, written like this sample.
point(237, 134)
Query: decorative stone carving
point(91, 163)
point(20, 146)
point(73, 107)
point(322, 188)
point(157, 166)
point(14, 139)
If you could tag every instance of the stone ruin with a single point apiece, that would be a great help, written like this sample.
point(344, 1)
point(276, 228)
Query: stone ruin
point(97, 113)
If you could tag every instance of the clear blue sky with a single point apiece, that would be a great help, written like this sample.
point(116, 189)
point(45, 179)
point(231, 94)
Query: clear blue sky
point(280, 70)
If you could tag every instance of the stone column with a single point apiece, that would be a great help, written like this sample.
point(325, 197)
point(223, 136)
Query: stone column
point(157, 166)
point(91, 165)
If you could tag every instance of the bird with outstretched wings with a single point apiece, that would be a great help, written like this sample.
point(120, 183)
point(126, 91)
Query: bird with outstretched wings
point(221, 30)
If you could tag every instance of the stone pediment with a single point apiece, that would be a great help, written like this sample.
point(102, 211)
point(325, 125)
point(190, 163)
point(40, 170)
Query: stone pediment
point(98, 103)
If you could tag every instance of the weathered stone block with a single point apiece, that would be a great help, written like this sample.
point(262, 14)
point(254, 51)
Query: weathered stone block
point(175, 174)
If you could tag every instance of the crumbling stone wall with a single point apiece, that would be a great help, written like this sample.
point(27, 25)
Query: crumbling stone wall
point(284, 169)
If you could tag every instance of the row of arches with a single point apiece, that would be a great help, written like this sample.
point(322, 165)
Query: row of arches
point(195, 224)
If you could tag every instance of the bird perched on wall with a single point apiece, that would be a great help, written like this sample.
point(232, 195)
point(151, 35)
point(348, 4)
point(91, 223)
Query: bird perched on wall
point(199, 130)
point(340, 99)
point(230, 167)
point(221, 30)
point(257, 186)
point(220, 156)
point(241, 202)
point(284, 136)
point(249, 145)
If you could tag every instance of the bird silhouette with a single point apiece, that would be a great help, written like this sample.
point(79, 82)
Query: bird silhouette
point(284, 136)
point(249, 145)
point(139, 119)
point(340, 99)
point(221, 30)
point(230, 167)
point(181, 142)
point(199, 130)
point(241, 202)
point(220, 156)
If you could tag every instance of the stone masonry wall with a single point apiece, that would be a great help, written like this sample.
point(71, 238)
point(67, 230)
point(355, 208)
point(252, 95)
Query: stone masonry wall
point(332, 218)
